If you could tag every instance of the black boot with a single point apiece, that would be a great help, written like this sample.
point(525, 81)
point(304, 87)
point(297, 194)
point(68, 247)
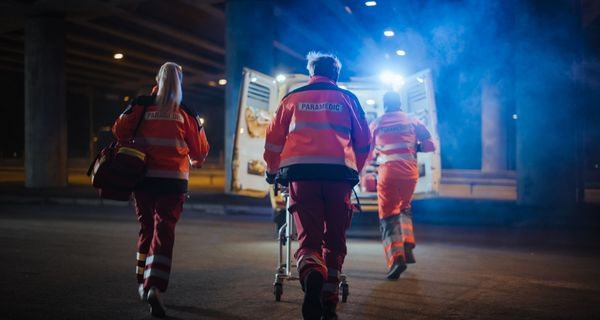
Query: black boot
point(157, 307)
point(409, 256)
point(396, 269)
point(329, 312)
point(311, 307)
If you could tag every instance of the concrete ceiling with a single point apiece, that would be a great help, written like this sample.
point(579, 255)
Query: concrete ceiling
point(148, 33)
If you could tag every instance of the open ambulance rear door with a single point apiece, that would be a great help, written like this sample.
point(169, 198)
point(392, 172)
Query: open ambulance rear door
point(418, 99)
point(259, 98)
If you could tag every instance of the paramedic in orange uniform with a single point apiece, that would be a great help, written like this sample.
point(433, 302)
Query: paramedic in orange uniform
point(319, 141)
point(173, 139)
point(396, 139)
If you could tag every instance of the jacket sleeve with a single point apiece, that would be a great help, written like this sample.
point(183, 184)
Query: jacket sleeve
point(361, 134)
point(372, 152)
point(123, 127)
point(276, 136)
point(424, 137)
point(195, 137)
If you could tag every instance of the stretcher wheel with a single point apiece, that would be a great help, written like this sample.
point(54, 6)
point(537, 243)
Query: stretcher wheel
point(277, 291)
point(345, 292)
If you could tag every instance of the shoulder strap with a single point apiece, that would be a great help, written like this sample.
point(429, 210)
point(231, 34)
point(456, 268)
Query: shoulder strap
point(139, 123)
point(144, 101)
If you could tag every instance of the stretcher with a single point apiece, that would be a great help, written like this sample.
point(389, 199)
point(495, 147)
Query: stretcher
point(286, 235)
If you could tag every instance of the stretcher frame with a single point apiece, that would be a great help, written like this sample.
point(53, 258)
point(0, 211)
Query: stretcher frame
point(286, 235)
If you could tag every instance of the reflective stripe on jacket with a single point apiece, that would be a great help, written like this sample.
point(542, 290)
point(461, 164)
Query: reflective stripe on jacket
point(171, 141)
point(318, 124)
point(395, 138)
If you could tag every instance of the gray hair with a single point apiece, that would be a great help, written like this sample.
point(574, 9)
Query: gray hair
point(323, 64)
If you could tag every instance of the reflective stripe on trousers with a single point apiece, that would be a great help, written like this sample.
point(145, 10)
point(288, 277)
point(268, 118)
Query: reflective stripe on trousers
point(391, 236)
point(158, 266)
point(141, 266)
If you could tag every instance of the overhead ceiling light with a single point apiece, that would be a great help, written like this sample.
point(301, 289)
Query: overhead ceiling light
point(370, 3)
point(222, 82)
point(280, 78)
point(388, 33)
point(253, 79)
point(401, 52)
point(118, 56)
point(201, 120)
point(370, 102)
point(348, 9)
point(391, 78)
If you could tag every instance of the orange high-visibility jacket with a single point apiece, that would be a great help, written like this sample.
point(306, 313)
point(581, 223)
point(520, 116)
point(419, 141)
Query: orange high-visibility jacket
point(171, 140)
point(395, 138)
point(321, 129)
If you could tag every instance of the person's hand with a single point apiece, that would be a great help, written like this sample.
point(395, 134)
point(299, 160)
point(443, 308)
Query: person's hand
point(196, 164)
point(271, 178)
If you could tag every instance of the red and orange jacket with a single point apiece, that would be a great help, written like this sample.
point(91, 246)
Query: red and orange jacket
point(318, 133)
point(171, 140)
point(395, 139)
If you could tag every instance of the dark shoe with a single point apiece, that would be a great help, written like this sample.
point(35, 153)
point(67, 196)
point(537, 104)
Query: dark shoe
point(329, 312)
point(397, 268)
point(157, 307)
point(409, 256)
point(311, 307)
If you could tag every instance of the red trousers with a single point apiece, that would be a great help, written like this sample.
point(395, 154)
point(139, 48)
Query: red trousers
point(393, 196)
point(157, 214)
point(322, 212)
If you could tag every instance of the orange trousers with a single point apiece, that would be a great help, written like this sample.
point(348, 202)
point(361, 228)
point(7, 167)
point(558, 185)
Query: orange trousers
point(393, 196)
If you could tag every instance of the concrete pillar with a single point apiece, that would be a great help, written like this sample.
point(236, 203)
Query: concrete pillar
point(249, 35)
point(493, 129)
point(45, 110)
point(546, 43)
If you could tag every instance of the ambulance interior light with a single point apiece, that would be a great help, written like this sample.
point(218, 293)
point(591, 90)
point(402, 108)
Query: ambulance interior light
point(390, 78)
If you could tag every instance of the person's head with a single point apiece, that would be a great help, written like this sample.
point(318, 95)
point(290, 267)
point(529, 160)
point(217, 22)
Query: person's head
point(168, 79)
point(323, 64)
point(391, 101)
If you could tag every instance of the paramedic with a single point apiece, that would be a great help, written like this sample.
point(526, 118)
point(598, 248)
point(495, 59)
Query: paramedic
point(396, 139)
point(173, 139)
point(319, 141)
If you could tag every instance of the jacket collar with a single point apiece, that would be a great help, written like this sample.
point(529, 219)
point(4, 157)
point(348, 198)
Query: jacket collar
point(316, 79)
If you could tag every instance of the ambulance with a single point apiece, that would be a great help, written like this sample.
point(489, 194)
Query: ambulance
point(260, 96)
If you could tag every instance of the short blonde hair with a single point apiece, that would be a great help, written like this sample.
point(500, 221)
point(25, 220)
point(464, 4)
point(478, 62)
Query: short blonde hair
point(323, 64)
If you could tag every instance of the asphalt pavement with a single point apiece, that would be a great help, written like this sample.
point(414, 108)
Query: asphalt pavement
point(77, 262)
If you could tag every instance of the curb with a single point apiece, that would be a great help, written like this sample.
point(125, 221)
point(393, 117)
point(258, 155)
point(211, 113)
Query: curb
point(210, 208)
